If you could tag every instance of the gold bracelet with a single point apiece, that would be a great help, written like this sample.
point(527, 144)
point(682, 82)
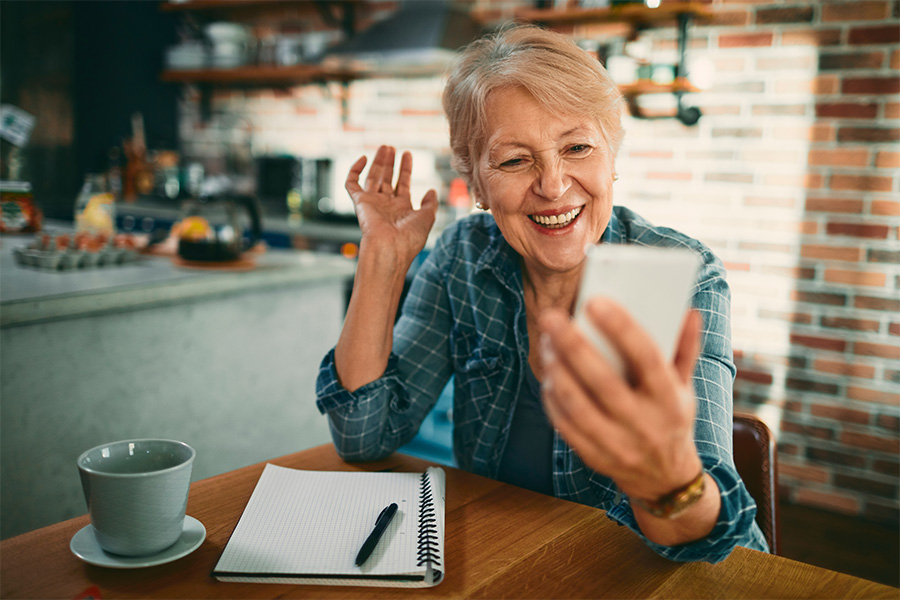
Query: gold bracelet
point(676, 501)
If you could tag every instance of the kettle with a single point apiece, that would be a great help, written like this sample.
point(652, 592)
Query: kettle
point(212, 228)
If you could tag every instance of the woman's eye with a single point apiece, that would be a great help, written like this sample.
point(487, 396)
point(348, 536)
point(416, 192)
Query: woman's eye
point(513, 162)
point(580, 149)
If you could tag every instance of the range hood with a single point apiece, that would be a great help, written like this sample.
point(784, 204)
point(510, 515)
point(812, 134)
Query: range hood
point(422, 36)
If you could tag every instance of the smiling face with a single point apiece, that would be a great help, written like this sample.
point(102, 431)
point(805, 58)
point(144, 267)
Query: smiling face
point(547, 178)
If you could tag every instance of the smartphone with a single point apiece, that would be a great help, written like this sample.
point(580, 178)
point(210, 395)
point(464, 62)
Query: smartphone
point(654, 284)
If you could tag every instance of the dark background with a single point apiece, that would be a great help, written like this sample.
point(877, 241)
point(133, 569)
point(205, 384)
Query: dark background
point(83, 67)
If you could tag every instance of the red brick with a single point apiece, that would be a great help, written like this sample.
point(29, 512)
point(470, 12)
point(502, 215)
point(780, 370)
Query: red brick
point(811, 37)
point(855, 278)
point(744, 178)
point(793, 14)
point(844, 369)
point(754, 376)
point(803, 472)
point(894, 329)
point(745, 40)
point(890, 422)
point(884, 34)
point(826, 84)
point(848, 61)
point(860, 10)
point(817, 132)
point(818, 342)
point(888, 160)
point(865, 485)
point(839, 413)
point(817, 251)
point(872, 349)
point(861, 183)
point(889, 208)
point(831, 501)
point(870, 442)
point(874, 303)
point(835, 205)
point(735, 266)
point(839, 157)
point(730, 18)
point(871, 85)
point(895, 59)
point(835, 457)
point(860, 230)
point(819, 298)
point(884, 466)
point(819, 433)
point(852, 324)
point(868, 134)
point(847, 110)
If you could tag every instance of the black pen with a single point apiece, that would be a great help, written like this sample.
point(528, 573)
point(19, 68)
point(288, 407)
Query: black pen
point(381, 524)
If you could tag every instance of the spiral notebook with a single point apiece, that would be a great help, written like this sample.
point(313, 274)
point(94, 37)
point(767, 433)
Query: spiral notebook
point(306, 527)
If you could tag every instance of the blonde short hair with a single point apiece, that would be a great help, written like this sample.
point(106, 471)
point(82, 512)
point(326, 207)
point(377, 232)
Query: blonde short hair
point(549, 65)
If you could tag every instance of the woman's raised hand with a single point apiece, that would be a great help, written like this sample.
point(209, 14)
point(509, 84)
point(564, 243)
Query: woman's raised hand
point(386, 216)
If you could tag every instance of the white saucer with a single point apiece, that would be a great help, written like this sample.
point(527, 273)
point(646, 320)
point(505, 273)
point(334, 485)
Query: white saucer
point(84, 545)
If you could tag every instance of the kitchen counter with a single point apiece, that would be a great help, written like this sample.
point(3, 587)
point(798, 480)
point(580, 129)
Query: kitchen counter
point(224, 361)
point(29, 295)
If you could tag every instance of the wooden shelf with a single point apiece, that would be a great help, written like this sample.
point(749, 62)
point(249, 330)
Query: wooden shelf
point(636, 14)
point(645, 86)
point(259, 75)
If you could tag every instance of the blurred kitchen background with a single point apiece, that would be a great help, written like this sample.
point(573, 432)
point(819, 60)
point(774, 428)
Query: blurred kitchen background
point(768, 129)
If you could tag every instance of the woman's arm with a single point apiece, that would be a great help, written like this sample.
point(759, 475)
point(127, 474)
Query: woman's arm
point(392, 235)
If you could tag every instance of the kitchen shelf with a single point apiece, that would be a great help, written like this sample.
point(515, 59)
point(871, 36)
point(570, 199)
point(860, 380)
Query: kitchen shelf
point(638, 88)
point(634, 14)
point(259, 75)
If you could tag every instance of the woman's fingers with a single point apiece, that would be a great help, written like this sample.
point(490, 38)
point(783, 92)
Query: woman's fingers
point(403, 179)
point(578, 356)
point(382, 169)
point(352, 182)
point(646, 365)
point(688, 348)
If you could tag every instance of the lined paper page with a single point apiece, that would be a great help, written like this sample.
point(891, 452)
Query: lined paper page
point(314, 523)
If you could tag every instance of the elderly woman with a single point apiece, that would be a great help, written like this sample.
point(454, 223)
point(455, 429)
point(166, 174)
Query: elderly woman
point(534, 130)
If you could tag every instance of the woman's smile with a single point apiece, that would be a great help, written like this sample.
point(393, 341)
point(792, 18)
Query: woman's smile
point(553, 221)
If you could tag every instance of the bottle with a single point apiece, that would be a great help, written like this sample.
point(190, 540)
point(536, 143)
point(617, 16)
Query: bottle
point(95, 207)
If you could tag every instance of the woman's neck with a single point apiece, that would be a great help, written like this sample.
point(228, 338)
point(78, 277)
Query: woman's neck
point(545, 289)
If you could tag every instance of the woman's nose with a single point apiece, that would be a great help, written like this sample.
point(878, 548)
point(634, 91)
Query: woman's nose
point(552, 181)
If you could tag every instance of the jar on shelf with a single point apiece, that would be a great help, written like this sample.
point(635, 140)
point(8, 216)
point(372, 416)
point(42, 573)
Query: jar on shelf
point(95, 207)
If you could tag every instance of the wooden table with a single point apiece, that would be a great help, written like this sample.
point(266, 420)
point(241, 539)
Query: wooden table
point(501, 541)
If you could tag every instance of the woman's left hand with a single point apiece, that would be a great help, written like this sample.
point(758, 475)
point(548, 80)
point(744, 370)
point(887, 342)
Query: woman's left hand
point(638, 431)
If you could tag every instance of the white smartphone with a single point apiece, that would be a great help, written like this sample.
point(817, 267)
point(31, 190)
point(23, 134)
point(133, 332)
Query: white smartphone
point(654, 284)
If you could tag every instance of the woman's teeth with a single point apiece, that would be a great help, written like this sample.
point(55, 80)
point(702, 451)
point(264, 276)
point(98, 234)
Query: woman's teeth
point(556, 221)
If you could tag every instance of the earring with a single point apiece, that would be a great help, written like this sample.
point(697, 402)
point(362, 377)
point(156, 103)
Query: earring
point(480, 205)
point(615, 176)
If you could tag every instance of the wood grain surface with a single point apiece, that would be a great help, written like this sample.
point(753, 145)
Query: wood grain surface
point(501, 542)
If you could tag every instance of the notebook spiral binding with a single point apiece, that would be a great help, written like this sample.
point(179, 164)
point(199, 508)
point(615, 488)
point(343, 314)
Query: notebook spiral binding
point(429, 549)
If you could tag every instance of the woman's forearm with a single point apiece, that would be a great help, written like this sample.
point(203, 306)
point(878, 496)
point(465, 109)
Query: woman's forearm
point(366, 340)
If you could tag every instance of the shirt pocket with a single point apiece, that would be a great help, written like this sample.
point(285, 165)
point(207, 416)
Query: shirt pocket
point(478, 369)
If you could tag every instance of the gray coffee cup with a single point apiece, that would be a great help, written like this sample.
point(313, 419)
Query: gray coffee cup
point(136, 492)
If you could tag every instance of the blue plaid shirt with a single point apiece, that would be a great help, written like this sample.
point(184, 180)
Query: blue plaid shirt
point(465, 316)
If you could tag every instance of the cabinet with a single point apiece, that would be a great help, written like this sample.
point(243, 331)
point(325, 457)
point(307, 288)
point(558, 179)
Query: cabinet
point(638, 17)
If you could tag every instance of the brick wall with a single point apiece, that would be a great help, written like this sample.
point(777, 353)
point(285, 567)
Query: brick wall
point(791, 176)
